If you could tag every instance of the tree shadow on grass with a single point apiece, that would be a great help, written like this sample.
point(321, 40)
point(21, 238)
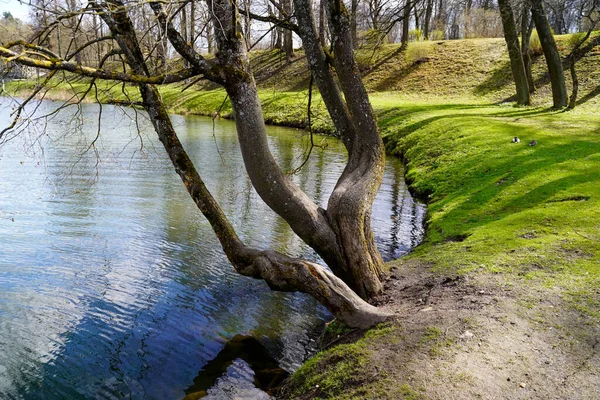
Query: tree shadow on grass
point(387, 83)
point(589, 96)
point(496, 81)
point(382, 61)
point(484, 179)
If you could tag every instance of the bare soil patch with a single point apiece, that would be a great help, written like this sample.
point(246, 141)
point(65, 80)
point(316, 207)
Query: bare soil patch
point(474, 337)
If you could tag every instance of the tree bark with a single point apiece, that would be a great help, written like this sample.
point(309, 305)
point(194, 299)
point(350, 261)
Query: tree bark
point(193, 25)
point(323, 22)
point(526, 31)
point(288, 43)
point(514, 53)
point(279, 271)
point(553, 60)
point(405, 23)
point(353, 21)
point(341, 235)
point(427, 21)
point(349, 207)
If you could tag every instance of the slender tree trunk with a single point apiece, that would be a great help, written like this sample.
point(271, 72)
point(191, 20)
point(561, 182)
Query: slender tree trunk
point(353, 21)
point(184, 28)
point(417, 15)
point(526, 31)
point(323, 23)
point(248, 23)
point(514, 52)
point(553, 60)
point(573, 98)
point(468, 5)
point(440, 18)
point(193, 24)
point(405, 23)
point(74, 23)
point(427, 21)
point(288, 43)
point(210, 42)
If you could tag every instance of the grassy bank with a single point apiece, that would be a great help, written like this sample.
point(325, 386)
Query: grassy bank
point(501, 300)
point(519, 226)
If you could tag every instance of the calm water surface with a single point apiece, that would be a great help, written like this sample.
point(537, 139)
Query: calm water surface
point(112, 284)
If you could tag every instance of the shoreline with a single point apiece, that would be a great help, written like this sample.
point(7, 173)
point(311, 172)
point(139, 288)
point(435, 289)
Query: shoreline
point(500, 300)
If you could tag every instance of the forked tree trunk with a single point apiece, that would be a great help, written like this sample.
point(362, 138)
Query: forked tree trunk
point(553, 60)
point(514, 53)
point(279, 271)
point(356, 258)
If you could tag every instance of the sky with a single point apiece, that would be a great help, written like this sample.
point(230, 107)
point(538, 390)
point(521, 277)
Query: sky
point(17, 9)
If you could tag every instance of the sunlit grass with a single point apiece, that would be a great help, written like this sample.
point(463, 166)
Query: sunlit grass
point(530, 212)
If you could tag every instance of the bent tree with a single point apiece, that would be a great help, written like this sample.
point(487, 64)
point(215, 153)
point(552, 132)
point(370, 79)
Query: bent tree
point(341, 234)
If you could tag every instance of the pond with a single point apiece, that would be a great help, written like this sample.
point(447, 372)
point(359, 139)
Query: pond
point(113, 285)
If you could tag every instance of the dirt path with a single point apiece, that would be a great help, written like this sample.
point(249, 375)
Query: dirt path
point(474, 338)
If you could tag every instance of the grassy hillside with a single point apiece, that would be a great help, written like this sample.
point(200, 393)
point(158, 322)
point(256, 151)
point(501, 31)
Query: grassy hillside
point(473, 70)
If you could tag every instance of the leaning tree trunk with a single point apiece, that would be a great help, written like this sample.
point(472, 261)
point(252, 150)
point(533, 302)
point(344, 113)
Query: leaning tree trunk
point(349, 209)
point(553, 60)
point(342, 234)
point(514, 53)
point(279, 271)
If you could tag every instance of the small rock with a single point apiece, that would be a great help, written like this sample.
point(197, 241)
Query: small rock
point(482, 292)
point(522, 384)
point(466, 335)
point(426, 309)
point(508, 379)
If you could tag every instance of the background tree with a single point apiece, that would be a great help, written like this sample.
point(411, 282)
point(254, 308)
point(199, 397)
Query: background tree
point(551, 54)
point(514, 53)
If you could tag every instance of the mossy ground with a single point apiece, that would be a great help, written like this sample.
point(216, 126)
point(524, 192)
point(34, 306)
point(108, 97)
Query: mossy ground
point(519, 224)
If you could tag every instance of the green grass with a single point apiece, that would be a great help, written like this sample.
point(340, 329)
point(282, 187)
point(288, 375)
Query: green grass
point(531, 212)
point(340, 372)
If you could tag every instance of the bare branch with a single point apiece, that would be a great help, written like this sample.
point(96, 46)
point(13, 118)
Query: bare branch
point(62, 65)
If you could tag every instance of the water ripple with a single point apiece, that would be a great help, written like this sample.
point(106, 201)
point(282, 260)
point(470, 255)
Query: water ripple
point(112, 284)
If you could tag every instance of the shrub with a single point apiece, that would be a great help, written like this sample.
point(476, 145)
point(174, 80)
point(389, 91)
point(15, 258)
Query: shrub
point(418, 52)
point(437, 34)
point(415, 35)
